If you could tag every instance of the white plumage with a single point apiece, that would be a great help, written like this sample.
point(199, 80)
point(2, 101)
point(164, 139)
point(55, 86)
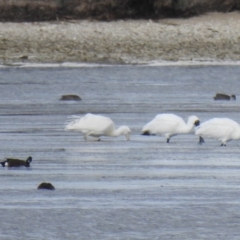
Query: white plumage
point(221, 129)
point(96, 126)
point(170, 125)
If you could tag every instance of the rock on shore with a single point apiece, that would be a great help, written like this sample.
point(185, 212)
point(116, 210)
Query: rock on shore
point(209, 37)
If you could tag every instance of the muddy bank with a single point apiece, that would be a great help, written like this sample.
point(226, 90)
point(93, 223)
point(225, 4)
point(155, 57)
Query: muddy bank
point(213, 36)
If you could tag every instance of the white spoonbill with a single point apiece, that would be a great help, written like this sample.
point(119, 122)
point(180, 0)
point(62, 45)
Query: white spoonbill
point(222, 129)
point(170, 125)
point(96, 126)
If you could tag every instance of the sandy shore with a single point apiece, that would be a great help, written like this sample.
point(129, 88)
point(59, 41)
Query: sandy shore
point(211, 37)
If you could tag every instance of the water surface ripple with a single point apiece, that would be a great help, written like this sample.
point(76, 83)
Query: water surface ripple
point(114, 189)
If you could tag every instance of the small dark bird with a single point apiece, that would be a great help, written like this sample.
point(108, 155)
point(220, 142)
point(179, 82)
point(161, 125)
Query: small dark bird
point(221, 96)
point(11, 162)
point(45, 185)
point(70, 97)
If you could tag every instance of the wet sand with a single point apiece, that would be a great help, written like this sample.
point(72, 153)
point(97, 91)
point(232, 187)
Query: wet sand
point(211, 37)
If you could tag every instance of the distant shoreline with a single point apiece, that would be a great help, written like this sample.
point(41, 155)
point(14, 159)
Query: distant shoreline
point(210, 37)
point(100, 65)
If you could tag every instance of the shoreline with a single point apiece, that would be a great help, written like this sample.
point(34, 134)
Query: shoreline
point(95, 65)
point(213, 37)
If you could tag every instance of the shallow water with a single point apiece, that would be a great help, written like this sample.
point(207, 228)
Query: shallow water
point(114, 189)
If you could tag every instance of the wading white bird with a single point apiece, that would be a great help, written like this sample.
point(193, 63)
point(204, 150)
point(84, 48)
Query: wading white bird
point(96, 126)
point(221, 129)
point(170, 125)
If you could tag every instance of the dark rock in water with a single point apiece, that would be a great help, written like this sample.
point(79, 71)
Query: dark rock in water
point(221, 96)
point(70, 98)
point(45, 185)
point(12, 162)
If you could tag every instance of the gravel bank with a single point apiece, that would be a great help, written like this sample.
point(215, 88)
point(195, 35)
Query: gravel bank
point(211, 37)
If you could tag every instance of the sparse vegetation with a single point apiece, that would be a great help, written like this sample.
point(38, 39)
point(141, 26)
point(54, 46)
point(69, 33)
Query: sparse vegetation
point(47, 10)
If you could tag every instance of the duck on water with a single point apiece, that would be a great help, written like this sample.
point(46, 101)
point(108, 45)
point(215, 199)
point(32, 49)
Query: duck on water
point(12, 162)
point(222, 96)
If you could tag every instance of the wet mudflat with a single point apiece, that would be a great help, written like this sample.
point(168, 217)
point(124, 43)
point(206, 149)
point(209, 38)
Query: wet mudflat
point(114, 189)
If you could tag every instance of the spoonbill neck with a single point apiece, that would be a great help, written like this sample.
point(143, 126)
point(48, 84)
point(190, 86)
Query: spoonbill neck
point(123, 130)
point(117, 132)
point(187, 128)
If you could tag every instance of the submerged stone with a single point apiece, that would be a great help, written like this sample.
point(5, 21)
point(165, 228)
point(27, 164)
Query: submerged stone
point(70, 97)
point(45, 185)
